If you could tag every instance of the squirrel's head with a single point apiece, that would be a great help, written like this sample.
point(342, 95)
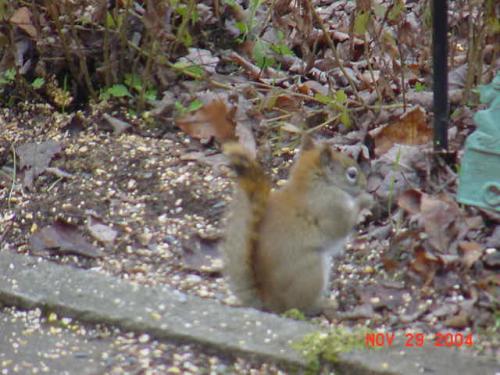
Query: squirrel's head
point(323, 164)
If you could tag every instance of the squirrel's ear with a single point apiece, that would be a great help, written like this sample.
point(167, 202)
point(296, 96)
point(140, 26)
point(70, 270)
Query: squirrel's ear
point(325, 155)
point(307, 142)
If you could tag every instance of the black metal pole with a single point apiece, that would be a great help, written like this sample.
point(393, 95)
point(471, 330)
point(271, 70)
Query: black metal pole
point(440, 73)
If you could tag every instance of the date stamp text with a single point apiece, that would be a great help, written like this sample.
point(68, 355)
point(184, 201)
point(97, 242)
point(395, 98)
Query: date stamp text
point(418, 340)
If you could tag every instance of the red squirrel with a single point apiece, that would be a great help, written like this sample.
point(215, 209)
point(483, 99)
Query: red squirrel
point(279, 244)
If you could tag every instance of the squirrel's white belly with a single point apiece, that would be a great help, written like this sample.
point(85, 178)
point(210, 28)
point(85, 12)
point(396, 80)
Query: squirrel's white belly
point(333, 250)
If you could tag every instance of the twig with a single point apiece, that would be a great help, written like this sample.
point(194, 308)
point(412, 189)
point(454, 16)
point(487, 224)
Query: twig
point(323, 124)
point(5, 232)
point(13, 175)
point(403, 89)
point(336, 56)
point(370, 69)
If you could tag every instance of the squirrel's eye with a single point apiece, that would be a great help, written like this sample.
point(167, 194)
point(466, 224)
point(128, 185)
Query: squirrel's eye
point(351, 174)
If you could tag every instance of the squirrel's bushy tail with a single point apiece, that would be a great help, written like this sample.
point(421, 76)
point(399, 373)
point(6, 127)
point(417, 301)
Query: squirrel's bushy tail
point(241, 245)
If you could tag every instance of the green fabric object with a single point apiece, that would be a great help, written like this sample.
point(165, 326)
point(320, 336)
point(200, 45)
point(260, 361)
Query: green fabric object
point(479, 180)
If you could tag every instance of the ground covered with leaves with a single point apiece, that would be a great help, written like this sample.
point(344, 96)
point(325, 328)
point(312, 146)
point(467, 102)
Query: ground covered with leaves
point(113, 116)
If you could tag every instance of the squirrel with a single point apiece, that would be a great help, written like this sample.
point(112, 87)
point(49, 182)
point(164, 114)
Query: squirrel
point(279, 244)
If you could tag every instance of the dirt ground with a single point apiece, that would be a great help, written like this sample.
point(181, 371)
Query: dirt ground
point(164, 197)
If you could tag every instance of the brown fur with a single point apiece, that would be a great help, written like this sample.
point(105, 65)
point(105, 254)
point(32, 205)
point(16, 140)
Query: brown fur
point(279, 244)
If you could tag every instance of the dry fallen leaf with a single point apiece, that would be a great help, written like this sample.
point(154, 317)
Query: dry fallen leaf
point(311, 87)
point(425, 264)
point(213, 160)
point(410, 129)
point(22, 19)
point(119, 126)
point(214, 120)
point(101, 231)
point(35, 158)
point(471, 251)
point(459, 321)
point(201, 57)
point(457, 77)
point(410, 201)
point(438, 216)
point(285, 102)
point(63, 238)
point(202, 255)
point(395, 173)
point(380, 297)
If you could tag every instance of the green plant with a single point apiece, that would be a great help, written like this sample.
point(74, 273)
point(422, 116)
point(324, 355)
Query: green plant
point(38, 83)
point(132, 84)
point(115, 91)
point(189, 15)
point(419, 87)
point(263, 52)
point(193, 106)
point(319, 346)
point(7, 77)
point(3, 9)
point(281, 48)
point(190, 70)
point(294, 314)
point(246, 27)
point(338, 102)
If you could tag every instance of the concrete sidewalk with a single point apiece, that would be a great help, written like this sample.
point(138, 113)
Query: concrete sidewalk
point(166, 314)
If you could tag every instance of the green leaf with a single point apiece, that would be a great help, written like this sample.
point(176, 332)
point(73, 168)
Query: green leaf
point(3, 9)
point(261, 53)
point(38, 83)
point(396, 10)
point(150, 95)
point(109, 22)
point(195, 16)
point(187, 39)
point(118, 91)
point(194, 105)
point(282, 49)
point(419, 87)
point(344, 118)
point(324, 99)
point(340, 97)
point(361, 22)
point(133, 81)
point(179, 107)
point(181, 10)
point(196, 71)
point(242, 27)
point(104, 95)
point(254, 5)
point(191, 70)
point(10, 74)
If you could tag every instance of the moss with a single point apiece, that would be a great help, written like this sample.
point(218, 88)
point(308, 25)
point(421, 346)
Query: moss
point(294, 314)
point(326, 346)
